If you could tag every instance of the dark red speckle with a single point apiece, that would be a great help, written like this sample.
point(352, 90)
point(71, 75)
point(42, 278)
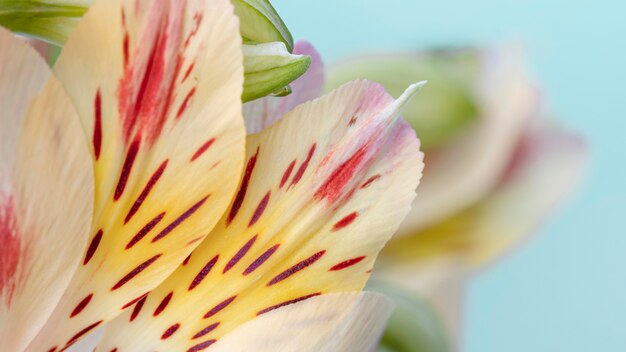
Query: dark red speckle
point(131, 155)
point(345, 221)
point(260, 209)
point(164, 302)
point(287, 173)
point(145, 230)
point(170, 331)
point(370, 181)
point(294, 269)
point(206, 330)
point(93, 246)
point(305, 164)
point(81, 305)
point(201, 346)
point(261, 259)
point(347, 263)
point(243, 188)
point(240, 254)
point(203, 148)
point(146, 191)
point(137, 308)
point(219, 307)
point(203, 273)
point(291, 301)
point(82, 333)
point(141, 267)
point(184, 216)
point(333, 187)
point(97, 125)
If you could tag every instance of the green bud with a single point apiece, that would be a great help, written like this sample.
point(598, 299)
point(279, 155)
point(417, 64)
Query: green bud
point(444, 107)
point(269, 68)
point(259, 23)
point(414, 326)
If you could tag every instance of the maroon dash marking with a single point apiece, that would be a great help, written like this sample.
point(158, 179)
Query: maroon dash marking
point(145, 230)
point(203, 273)
point(189, 212)
point(294, 269)
point(188, 72)
point(219, 307)
point(134, 301)
point(97, 125)
point(347, 263)
point(93, 246)
point(141, 267)
point(79, 308)
point(126, 49)
point(352, 120)
point(333, 187)
point(260, 209)
point(164, 302)
point(114, 350)
point(183, 105)
point(261, 259)
point(205, 331)
point(243, 188)
point(81, 333)
point(201, 346)
point(240, 254)
point(197, 17)
point(137, 308)
point(291, 301)
point(305, 164)
point(53, 349)
point(131, 155)
point(170, 331)
point(345, 221)
point(369, 181)
point(146, 191)
point(186, 261)
point(202, 149)
point(287, 173)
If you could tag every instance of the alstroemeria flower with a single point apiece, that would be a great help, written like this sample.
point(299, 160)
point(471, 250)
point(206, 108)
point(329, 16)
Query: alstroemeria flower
point(200, 237)
point(496, 166)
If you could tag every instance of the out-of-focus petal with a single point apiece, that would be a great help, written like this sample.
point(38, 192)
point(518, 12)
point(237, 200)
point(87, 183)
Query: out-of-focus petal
point(46, 192)
point(261, 113)
point(322, 191)
point(157, 84)
point(347, 322)
point(464, 171)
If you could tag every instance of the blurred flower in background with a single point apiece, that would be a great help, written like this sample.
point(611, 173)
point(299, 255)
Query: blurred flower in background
point(497, 165)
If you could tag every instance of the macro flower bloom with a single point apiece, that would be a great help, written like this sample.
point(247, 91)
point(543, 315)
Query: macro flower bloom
point(132, 200)
point(496, 166)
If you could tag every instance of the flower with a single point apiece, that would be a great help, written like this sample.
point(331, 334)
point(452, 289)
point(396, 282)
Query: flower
point(496, 166)
point(133, 200)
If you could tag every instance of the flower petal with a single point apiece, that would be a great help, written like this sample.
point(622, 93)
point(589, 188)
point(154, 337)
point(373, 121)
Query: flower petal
point(46, 192)
point(463, 172)
point(322, 191)
point(261, 113)
point(347, 322)
point(157, 85)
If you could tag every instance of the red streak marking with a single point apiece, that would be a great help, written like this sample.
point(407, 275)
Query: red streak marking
point(287, 173)
point(347, 263)
point(97, 125)
point(81, 333)
point(260, 209)
point(180, 219)
point(164, 302)
point(261, 259)
point(304, 166)
point(294, 269)
point(141, 267)
point(127, 168)
point(126, 49)
point(240, 254)
point(201, 346)
point(243, 188)
point(93, 246)
point(369, 181)
point(114, 350)
point(79, 308)
point(345, 221)
point(134, 301)
point(183, 106)
point(336, 182)
point(146, 191)
point(188, 72)
point(291, 301)
point(145, 230)
point(219, 307)
point(202, 149)
point(170, 331)
point(52, 349)
point(197, 17)
point(186, 261)
point(203, 273)
point(205, 331)
point(10, 249)
point(137, 308)
point(352, 120)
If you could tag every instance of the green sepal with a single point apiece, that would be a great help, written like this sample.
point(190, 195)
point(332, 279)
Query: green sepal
point(269, 68)
point(260, 23)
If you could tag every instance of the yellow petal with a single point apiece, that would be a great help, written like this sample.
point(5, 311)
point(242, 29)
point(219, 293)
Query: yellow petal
point(157, 85)
point(346, 322)
point(323, 190)
point(46, 192)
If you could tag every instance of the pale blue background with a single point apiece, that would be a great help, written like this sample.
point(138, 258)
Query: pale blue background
point(566, 290)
